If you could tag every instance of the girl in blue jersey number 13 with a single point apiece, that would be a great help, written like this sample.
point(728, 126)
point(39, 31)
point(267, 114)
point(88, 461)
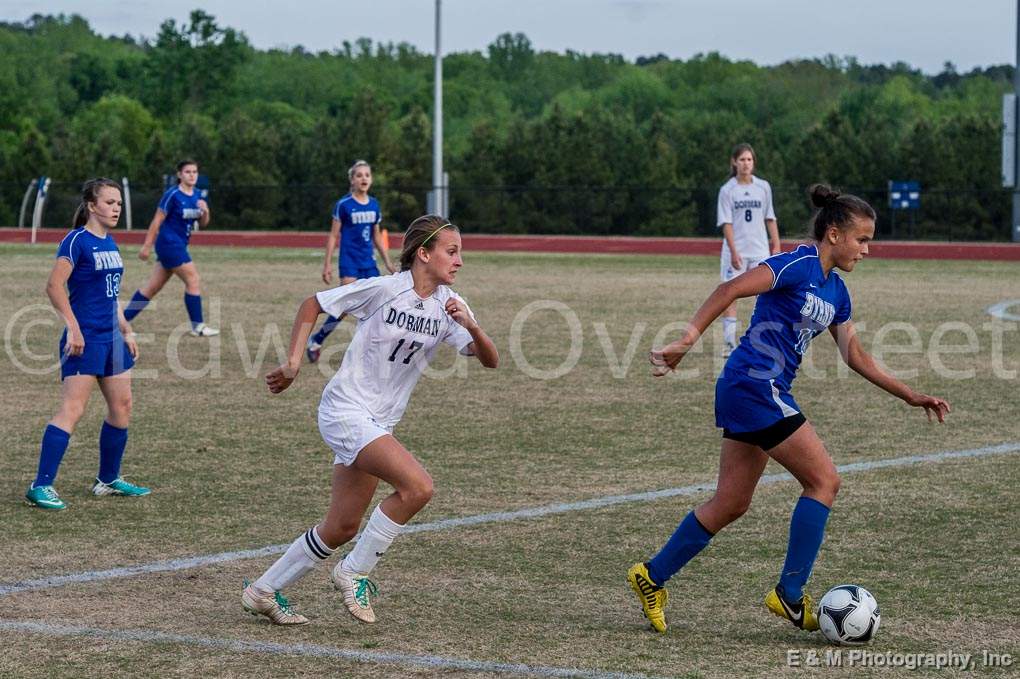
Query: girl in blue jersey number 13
point(179, 209)
point(356, 220)
point(97, 345)
point(800, 295)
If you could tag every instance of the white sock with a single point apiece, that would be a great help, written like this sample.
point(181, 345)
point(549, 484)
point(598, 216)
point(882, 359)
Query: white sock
point(373, 543)
point(729, 328)
point(303, 555)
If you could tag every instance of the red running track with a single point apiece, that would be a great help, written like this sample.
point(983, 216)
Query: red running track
point(575, 244)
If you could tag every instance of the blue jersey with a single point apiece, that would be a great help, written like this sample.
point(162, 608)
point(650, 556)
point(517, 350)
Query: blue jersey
point(356, 222)
point(802, 303)
point(181, 212)
point(94, 283)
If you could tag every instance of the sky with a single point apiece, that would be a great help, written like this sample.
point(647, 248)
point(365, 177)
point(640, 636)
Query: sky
point(923, 33)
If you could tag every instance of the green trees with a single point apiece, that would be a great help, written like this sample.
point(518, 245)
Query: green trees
point(535, 141)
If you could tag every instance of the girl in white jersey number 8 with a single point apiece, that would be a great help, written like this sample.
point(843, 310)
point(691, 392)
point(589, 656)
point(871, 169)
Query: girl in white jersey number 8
point(402, 320)
point(748, 223)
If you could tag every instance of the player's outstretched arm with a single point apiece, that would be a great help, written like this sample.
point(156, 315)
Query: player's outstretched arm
point(481, 345)
point(749, 284)
point(307, 315)
point(864, 364)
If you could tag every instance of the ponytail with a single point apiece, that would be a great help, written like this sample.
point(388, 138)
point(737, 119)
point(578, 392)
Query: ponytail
point(835, 209)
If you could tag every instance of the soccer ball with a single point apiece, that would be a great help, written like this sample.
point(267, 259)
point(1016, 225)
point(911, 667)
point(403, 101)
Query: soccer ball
point(848, 614)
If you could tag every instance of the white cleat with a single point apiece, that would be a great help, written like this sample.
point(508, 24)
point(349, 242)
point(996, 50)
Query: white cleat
point(728, 349)
point(356, 589)
point(274, 606)
point(203, 330)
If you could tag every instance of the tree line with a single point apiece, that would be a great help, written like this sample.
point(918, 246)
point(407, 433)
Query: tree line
point(536, 142)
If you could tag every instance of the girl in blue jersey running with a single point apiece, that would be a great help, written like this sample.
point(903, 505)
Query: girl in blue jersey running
point(97, 345)
point(356, 219)
point(180, 208)
point(799, 296)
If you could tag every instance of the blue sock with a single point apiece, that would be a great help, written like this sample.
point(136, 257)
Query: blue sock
point(194, 305)
point(112, 441)
point(328, 326)
point(135, 306)
point(54, 444)
point(807, 528)
point(689, 538)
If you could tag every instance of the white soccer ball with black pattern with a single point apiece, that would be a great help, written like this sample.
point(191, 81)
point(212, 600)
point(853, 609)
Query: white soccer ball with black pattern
point(848, 614)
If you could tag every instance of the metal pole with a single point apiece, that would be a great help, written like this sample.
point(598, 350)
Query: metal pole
point(1016, 88)
point(127, 202)
point(40, 205)
point(438, 190)
point(24, 202)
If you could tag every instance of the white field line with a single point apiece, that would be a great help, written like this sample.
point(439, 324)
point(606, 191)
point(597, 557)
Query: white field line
point(186, 563)
point(1002, 310)
point(309, 650)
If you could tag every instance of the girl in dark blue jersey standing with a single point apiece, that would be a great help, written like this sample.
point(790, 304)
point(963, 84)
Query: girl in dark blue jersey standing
point(180, 208)
point(96, 347)
point(800, 295)
point(356, 220)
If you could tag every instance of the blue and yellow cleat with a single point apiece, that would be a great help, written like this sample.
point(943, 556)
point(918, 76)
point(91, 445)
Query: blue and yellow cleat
point(44, 497)
point(801, 613)
point(653, 597)
point(119, 487)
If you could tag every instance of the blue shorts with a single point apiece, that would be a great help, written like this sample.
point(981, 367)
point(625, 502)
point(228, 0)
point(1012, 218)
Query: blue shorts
point(172, 254)
point(745, 404)
point(102, 359)
point(351, 271)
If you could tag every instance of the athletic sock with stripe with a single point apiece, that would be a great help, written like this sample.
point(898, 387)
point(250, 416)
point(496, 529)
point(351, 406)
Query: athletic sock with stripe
point(303, 555)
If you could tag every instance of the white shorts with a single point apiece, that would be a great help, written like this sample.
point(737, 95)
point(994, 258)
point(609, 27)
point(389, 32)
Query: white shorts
point(348, 431)
point(728, 273)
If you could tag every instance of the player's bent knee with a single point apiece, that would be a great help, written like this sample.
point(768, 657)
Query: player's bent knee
point(418, 493)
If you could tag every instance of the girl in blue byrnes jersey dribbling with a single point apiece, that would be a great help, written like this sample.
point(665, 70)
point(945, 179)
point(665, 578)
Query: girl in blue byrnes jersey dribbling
point(356, 219)
point(180, 208)
point(97, 345)
point(800, 295)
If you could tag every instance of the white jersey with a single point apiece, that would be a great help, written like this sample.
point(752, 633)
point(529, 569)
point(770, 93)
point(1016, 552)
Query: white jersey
point(397, 334)
point(746, 207)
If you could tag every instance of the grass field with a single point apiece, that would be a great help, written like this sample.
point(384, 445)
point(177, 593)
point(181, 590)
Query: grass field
point(235, 468)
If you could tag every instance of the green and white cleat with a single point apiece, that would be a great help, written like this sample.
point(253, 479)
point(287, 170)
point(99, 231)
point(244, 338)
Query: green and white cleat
point(119, 487)
point(44, 497)
point(356, 589)
point(274, 606)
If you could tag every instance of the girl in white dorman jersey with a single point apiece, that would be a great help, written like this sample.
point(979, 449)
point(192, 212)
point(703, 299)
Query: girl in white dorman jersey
point(402, 320)
point(745, 214)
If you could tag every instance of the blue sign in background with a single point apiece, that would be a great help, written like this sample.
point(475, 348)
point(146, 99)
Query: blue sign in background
point(904, 195)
